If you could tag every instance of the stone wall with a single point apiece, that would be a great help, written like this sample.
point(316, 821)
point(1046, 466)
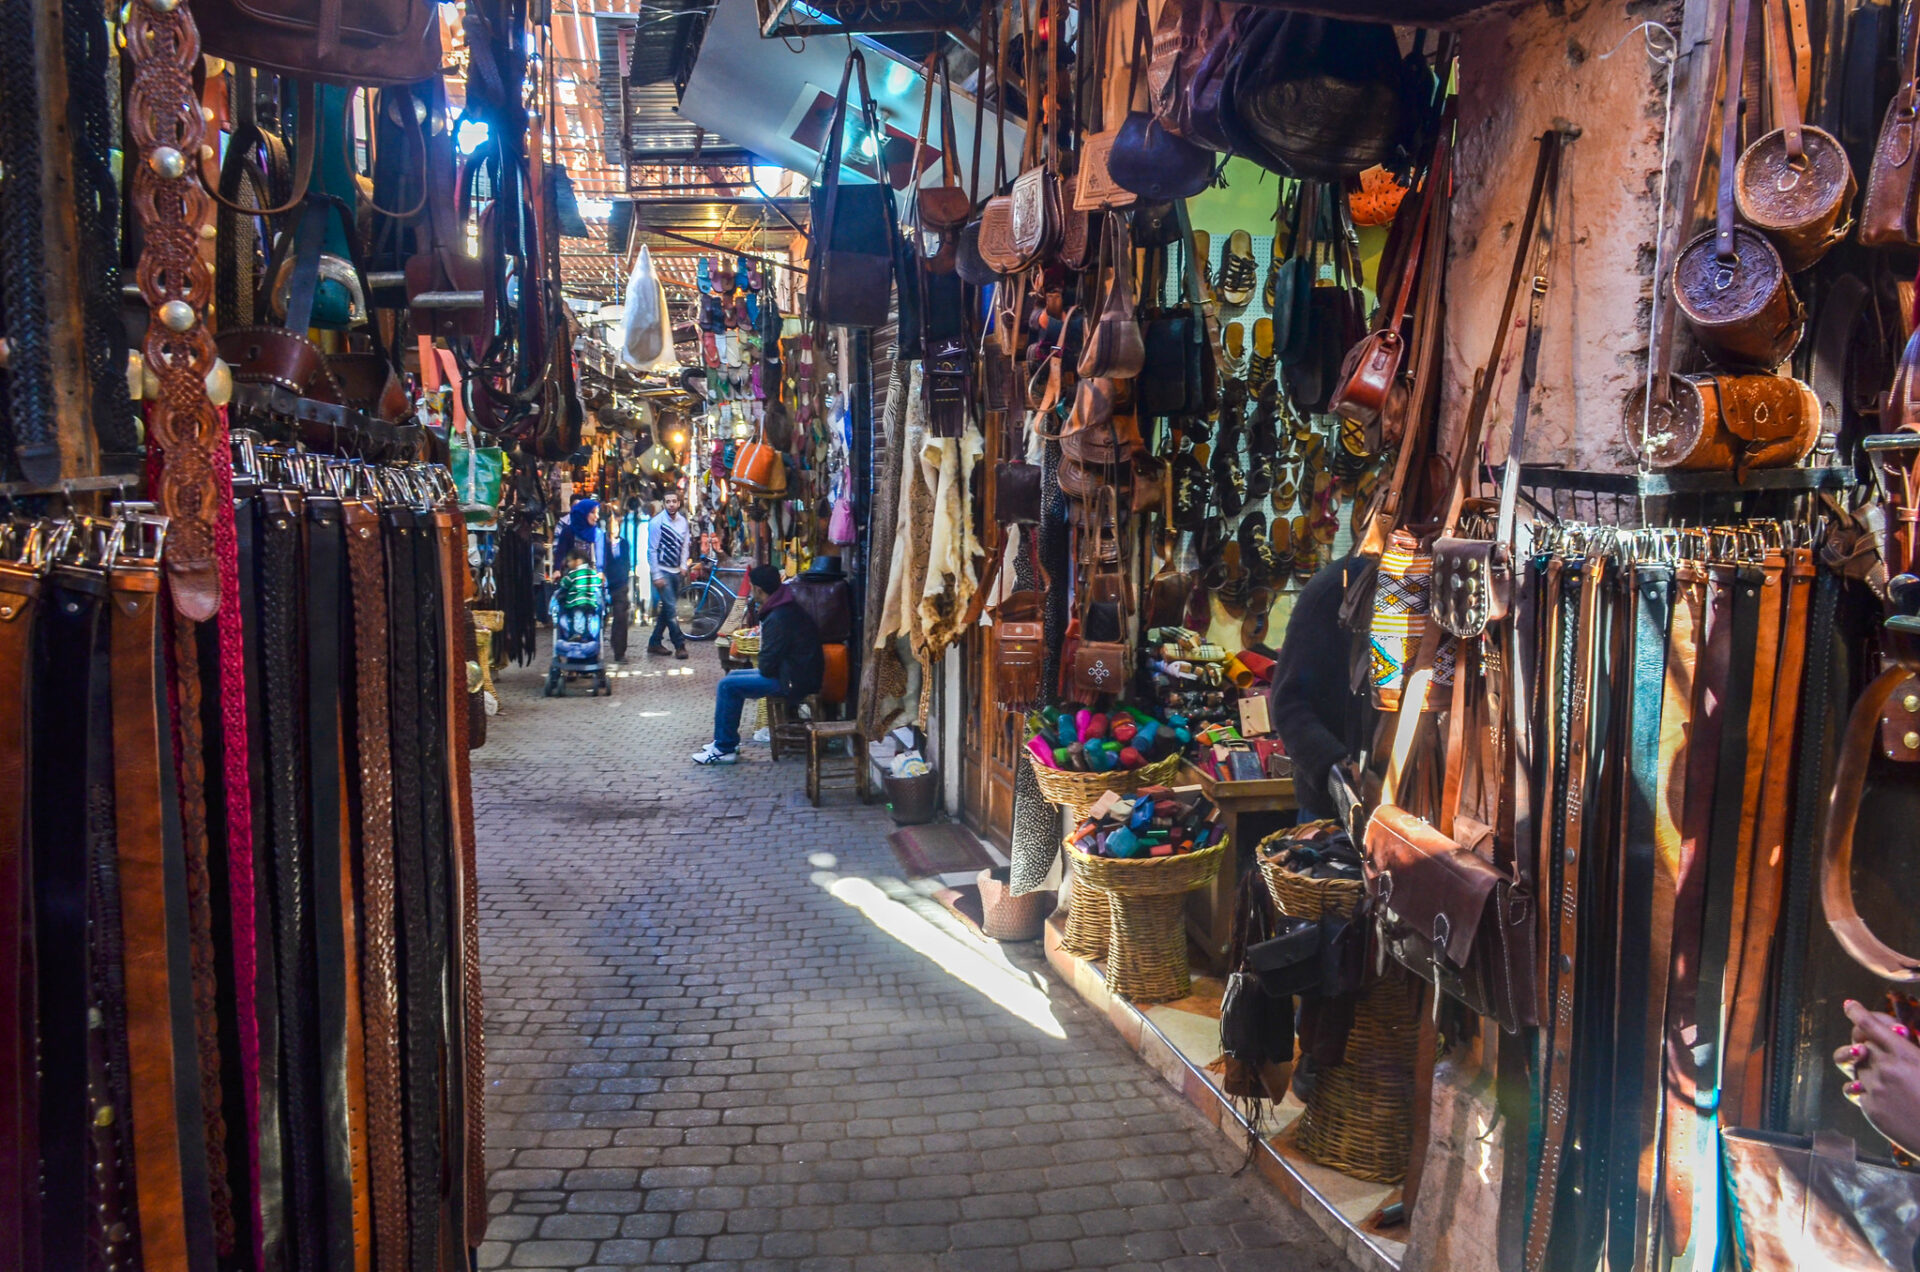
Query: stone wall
point(1521, 71)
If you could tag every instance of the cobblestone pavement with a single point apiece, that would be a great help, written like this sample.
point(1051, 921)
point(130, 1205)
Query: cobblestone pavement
point(722, 1033)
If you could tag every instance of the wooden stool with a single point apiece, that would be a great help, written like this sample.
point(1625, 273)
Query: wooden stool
point(784, 733)
point(847, 772)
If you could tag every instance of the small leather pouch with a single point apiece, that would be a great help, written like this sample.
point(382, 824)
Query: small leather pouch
point(1472, 585)
point(1020, 649)
point(1100, 667)
point(1289, 962)
point(1016, 493)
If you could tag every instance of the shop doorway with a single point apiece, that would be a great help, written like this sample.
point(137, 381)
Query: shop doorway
point(989, 741)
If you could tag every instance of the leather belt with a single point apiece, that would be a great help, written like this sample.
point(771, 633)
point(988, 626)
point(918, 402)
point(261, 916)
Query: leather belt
point(138, 744)
point(1642, 943)
point(270, 1239)
point(70, 657)
point(292, 926)
point(469, 1097)
point(335, 948)
point(421, 969)
point(1776, 695)
point(20, 588)
point(379, 993)
point(1564, 922)
point(1682, 1131)
point(1795, 1050)
point(1515, 1058)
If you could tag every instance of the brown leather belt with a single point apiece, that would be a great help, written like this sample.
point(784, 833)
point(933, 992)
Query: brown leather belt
point(1715, 644)
point(456, 581)
point(19, 1091)
point(138, 744)
point(1563, 964)
point(379, 983)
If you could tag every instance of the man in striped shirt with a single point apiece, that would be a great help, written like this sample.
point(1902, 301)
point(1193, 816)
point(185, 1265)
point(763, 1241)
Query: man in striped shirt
point(669, 543)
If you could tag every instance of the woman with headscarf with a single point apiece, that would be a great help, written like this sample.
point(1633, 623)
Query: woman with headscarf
point(582, 529)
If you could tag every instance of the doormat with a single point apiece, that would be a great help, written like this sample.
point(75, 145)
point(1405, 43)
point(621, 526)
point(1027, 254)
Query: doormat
point(942, 849)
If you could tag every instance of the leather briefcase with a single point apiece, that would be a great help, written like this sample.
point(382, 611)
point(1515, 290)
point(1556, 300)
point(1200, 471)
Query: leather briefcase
point(1451, 917)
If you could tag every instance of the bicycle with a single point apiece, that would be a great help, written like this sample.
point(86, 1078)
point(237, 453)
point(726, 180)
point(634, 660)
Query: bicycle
point(705, 606)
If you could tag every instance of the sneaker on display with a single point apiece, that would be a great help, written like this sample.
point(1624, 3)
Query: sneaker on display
point(711, 754)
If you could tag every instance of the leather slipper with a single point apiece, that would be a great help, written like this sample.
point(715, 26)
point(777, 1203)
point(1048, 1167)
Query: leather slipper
point(1236, 269)
point(1260, 370)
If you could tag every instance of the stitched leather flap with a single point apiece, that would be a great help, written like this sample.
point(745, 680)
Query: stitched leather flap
point(1427, 882)
point(1468, 585)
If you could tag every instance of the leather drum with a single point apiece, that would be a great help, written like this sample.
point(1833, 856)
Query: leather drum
point(1727, 423)
point(1803, 207)
point(1743, 310)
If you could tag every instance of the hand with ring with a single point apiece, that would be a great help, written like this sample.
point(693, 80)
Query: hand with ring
point(1882, 1065)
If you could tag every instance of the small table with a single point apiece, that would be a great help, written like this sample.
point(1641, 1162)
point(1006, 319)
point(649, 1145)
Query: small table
point(1251, 811)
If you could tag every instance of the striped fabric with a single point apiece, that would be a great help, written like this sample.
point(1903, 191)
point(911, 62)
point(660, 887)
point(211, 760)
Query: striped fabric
point(1400, 622)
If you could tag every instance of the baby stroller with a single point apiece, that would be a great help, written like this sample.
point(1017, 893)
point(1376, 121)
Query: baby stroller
point(577, 649)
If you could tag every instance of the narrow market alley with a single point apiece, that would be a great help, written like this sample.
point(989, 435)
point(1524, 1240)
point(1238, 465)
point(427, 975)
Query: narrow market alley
point(723, 1032)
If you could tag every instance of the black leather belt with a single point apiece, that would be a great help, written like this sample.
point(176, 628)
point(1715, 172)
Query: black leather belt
point(420, 962)
point(282, 633)
point(72, 655)
point(249, 518)
point(1634, 1080)
point(20, 602)
point(335, 951)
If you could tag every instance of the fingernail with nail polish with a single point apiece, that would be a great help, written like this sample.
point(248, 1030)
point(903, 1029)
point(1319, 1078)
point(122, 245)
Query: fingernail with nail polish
point(1856, 1052)
point(1856, 1088)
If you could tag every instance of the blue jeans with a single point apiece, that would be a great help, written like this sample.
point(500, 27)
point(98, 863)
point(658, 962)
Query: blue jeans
point(666, 601)
point(730, 696)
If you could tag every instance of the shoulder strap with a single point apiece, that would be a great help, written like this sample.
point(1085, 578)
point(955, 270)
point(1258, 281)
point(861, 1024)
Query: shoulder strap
point(1736, 65)
point(1556, 141)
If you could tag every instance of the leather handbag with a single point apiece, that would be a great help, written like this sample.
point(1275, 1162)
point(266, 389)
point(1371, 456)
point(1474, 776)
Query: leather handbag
point(1317, 97)
point(1146, 158)
point(1730, 423)
point(1815, 1205)
point(1730, 281)
point(1890, 216)
point(1209, 101)
point(1100, 667)
point(1795, 184)
point(1020, 649)
point(947, 206)
point(850, 280)
point(1094, 188)
point(1181, 38)
point(757, 469)
point(381, 43)
point(1115, 348)
point(1016, 493)
point(1293, 281)
point(1372, 368)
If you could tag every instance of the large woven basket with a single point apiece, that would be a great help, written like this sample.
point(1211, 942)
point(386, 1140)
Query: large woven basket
point(1089, 914)
point(1359, 1117)
point(1075, 790)
point(1147, 939)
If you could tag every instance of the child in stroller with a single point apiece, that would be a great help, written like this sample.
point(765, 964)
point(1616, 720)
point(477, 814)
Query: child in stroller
point(580, 606)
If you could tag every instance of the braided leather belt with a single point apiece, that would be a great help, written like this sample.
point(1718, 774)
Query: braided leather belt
point(20, 601)
point(281, 596)
point(421, 962)
point(379, 991)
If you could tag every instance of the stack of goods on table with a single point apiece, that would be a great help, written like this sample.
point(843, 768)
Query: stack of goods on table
point(1188, 673)
point(1145, 853)
point(1156, 821)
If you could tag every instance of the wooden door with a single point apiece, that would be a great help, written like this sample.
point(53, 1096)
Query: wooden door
point(989, 738)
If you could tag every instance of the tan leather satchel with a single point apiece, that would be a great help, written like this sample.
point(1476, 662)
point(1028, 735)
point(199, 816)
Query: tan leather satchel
point(1891, 214)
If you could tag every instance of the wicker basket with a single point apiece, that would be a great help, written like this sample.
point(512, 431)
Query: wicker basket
point(1359, 1117)
point(1074, 790)
point(1004, 916)
point(1147, 939)
point(1089, 915)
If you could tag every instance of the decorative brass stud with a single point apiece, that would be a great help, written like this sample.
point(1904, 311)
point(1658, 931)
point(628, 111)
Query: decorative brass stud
point(168, 162)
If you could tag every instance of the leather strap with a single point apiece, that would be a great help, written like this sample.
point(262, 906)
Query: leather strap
point(1843, 809)
point(1564, 918)
point(67, 658)
point(1739, 12)
point(138, 744)
point(1682, 1134)
point(1791, 1037)
point(1642, 938)
point(420, 990)
point(20, 588)
point(282, 631)
point(372, 761)
point(1744, 1079)
point(334, 938)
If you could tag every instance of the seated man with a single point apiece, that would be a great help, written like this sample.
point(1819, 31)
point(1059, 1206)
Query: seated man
point(791, 664)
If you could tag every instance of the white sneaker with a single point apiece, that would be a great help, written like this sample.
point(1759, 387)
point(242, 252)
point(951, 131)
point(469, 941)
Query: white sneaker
point(711, 754)
point(763, 735)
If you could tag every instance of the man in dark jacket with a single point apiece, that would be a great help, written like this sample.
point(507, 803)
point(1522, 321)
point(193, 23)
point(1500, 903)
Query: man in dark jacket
point(1314, 708)
point(791, 664)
